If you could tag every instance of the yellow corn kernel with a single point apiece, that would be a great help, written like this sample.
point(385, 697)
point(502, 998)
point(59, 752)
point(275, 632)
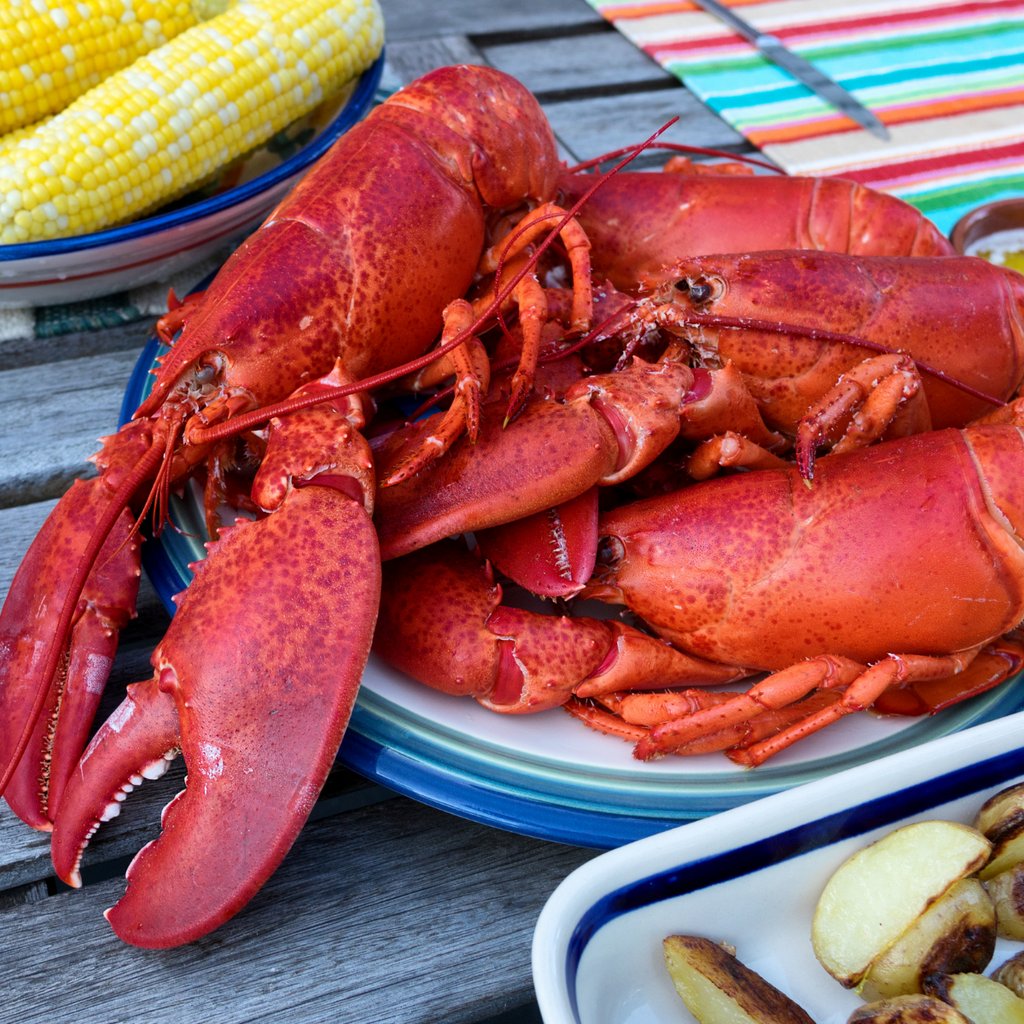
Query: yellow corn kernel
point(52, 51)
point(153, 130)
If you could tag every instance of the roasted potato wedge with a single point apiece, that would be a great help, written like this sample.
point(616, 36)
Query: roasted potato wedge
point(981, 999)
point(1007, 892)
point(1001, 821)
point(956, 934)
point(913, 1009)
point(718, 989)
point(876, 895)
point(1011, 974)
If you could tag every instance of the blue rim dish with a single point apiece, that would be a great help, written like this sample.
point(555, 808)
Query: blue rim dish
point(845, 824)
point(352, 112)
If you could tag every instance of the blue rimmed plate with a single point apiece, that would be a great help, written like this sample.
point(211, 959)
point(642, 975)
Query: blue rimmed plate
point(104, 262)
point(546, 775)
point(750, 877)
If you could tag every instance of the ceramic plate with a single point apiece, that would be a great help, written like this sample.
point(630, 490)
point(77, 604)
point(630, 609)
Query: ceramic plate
point(750, 877)
point(105, 262)
point(546, 775)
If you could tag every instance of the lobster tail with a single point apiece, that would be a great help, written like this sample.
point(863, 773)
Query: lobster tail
point(637, 222)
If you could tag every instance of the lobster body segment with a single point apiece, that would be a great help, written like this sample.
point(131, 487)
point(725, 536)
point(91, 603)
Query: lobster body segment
point(637, 222)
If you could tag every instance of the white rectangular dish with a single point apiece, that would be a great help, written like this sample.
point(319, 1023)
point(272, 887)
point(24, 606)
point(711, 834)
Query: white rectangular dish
point(751, 877)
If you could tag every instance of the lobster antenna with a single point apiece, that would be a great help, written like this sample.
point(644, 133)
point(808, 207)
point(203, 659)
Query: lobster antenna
point(679, 148)
point(592, 335)
point(743, 323)
point(117, 504)
point(248, 420)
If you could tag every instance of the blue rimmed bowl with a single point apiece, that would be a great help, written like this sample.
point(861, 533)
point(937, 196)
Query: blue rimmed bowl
point(105, 262)
point(750, 877)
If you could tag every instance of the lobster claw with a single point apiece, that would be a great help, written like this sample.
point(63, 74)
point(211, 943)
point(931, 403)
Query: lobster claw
point(257, 674)
point(36, 632)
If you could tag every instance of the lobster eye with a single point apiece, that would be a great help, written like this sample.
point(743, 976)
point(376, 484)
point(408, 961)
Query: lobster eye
point(610, 551)
point(700, 292)
point(205, 374)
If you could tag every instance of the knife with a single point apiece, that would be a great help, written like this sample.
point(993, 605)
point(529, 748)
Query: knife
point(802, 70)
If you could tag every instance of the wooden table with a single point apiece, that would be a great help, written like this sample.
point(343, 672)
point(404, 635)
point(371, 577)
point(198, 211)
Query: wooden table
point(385, 910)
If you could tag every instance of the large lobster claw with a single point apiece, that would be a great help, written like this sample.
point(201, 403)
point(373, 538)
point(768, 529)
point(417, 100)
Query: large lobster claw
point(257, 674)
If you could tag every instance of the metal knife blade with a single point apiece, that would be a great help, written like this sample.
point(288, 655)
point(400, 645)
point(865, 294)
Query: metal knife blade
point(815, 80)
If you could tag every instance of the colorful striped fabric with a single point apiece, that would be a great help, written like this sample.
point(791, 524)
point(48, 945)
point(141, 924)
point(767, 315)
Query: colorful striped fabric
point(947, 78)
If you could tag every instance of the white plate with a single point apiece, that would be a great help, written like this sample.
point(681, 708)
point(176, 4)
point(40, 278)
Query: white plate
point(751, 877)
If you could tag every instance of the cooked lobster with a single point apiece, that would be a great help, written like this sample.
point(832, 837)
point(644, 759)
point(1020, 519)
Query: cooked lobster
point(255, 680)
point(900, 567)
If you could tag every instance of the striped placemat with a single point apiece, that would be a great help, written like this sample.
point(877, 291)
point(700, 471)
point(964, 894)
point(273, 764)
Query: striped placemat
point(947, 78)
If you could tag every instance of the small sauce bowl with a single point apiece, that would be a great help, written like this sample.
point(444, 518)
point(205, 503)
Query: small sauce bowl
point(1006, 215)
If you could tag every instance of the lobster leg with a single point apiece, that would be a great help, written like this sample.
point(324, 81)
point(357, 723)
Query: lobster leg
point(529, 295)
point(649, 709)
point(577, 245)
point(864, 691)
point(730, 450)
point(861, 687)
point(472, 371)
point(771, 694)
point(608, 428)
point(634, 722)
point(872, 398)
point(996, 662)
point(442, 622)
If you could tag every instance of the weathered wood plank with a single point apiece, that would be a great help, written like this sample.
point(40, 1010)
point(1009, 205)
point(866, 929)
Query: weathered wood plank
point(413, 19)
point(556, 68)
point(591, 127)
point(32, 892)
point(53, 415)
point(18, 525)
point(411, 59)
point(366, 920)
point(38, 351)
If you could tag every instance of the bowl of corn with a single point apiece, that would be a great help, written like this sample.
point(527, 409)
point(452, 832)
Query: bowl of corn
point(141, 136)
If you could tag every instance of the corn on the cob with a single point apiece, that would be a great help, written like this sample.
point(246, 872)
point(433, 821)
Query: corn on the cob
point(53, 51)
point(149, 132)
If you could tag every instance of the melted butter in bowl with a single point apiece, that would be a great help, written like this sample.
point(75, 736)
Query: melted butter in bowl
point(993, 231)
point(1005, 248)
